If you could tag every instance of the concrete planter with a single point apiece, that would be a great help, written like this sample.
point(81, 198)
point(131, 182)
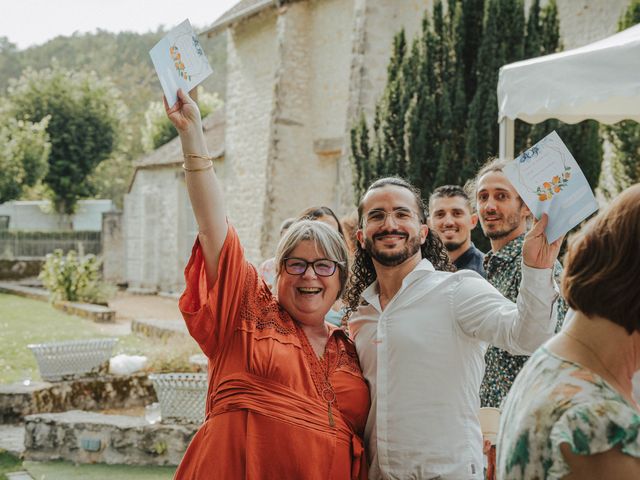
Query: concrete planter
point(72, 358)
point(182, 396)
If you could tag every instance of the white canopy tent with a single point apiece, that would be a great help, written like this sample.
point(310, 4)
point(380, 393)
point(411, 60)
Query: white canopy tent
point(600, 81)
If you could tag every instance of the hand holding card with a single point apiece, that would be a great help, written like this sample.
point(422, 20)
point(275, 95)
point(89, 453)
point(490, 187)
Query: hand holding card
point(549, 180)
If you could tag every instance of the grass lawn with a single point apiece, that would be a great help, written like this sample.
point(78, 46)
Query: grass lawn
point(8, 463)
point(68, 471)
point(24, 321)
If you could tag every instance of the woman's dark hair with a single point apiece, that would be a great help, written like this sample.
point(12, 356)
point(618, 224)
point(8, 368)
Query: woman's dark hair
point(314, 213)
point(363, 272)
point(602, 263)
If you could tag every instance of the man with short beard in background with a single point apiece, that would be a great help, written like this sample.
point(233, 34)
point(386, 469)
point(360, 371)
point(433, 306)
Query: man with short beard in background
point(452, 217)
point(504, 218)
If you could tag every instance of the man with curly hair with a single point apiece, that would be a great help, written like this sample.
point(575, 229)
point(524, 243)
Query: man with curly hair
point(504, 218)
point(421, 332)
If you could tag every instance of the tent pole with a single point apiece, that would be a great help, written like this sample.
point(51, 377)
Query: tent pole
point(507, 134)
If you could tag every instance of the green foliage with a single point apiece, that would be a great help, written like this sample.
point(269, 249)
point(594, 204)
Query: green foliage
point(436, 122)
point(625, 135)
point(502, 42)
point(8, 463)
point(73, 278)
point(361, 157)
point(124, 58)
point(418, 129)
point(84, 114)
point(24, 149)
point(159, 130)
point(112, 177)
point(171, 355)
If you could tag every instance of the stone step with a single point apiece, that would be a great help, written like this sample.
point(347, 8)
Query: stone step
point(89, 393)
point(12, 439)
point(97, 313)
point(22, 291)
point(18, 476)
point(86, 437)
point(159, 328)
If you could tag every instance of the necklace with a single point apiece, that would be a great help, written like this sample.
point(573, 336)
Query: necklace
point(602, 364)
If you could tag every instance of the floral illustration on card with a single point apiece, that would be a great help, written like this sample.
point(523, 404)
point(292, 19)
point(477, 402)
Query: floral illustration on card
point(552, 164)
point(174, 51)
point(547, 190)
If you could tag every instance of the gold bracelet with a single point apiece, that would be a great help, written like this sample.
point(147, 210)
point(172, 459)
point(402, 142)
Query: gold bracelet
point(195, 155)
point(199, 169)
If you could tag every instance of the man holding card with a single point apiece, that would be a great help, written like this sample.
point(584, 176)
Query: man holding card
point(421, 334)
point(504, 218)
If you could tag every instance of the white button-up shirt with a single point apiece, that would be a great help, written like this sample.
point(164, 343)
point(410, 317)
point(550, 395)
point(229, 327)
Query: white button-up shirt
point(423, 357)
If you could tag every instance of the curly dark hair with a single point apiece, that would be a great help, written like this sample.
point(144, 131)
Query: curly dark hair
point(363, 272)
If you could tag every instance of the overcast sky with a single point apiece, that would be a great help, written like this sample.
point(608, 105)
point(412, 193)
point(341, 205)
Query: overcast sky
point(33, 22)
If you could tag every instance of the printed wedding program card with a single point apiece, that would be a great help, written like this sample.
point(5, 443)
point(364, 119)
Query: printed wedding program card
point(179, 61)
point(549, 180)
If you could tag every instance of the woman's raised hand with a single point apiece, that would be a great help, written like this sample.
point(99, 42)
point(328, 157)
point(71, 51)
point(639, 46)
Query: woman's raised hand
point(185, 113)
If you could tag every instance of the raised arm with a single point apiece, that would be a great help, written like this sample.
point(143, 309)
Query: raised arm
point(204, 189)
point(483, 313)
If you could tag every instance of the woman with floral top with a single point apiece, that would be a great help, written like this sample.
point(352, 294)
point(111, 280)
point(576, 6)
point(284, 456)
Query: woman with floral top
point(286, 397)
point(570, 413)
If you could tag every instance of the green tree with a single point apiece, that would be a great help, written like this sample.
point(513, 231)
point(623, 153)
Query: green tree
point(84, 114)
point(361, 158)
point(582, 139)
point(482, 132)
point(625, 135)
point(502, 43)
point(24, 149)
point(10, 61)
point(159, 130)
point(419, 124)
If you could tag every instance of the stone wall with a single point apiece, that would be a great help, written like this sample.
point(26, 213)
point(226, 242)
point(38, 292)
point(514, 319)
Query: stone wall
point(585, 21)
point(85, 437)
point(251, 64)
point(112, 239)
point(20, 268)
point(155, 250)
point(105, 392)
point(37, 215)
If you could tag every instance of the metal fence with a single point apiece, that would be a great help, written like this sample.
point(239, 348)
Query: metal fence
point(38, 244)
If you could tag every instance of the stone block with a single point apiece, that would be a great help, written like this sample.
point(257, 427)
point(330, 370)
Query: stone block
point(86, 437)
point(105, 392)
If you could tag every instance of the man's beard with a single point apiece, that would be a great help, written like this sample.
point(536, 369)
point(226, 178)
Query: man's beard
point(512, 223)
point(412, 246)
point(452, 246)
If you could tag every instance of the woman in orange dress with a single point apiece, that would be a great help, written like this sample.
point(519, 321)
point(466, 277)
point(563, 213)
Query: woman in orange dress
point(286, 399)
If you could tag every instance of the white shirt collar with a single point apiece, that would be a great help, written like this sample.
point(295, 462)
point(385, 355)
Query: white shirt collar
point(424, 266)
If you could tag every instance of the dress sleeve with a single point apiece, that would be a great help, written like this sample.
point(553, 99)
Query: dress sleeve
point(595, 427)
point(211, 316)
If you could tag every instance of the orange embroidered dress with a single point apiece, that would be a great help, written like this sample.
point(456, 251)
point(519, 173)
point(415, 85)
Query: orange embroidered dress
point(274, 409)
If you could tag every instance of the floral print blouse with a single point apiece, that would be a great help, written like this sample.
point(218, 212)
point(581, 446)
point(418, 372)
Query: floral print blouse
point(555, 401)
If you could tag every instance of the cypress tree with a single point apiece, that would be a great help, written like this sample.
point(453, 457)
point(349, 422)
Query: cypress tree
point(421, 115)
point(361, 157)
point(625, 135)
point(393, 111)
point(482, 132)
point(583, 139)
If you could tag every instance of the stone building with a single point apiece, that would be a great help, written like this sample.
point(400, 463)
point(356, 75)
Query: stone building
point(298, 72)
point(158, 224)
